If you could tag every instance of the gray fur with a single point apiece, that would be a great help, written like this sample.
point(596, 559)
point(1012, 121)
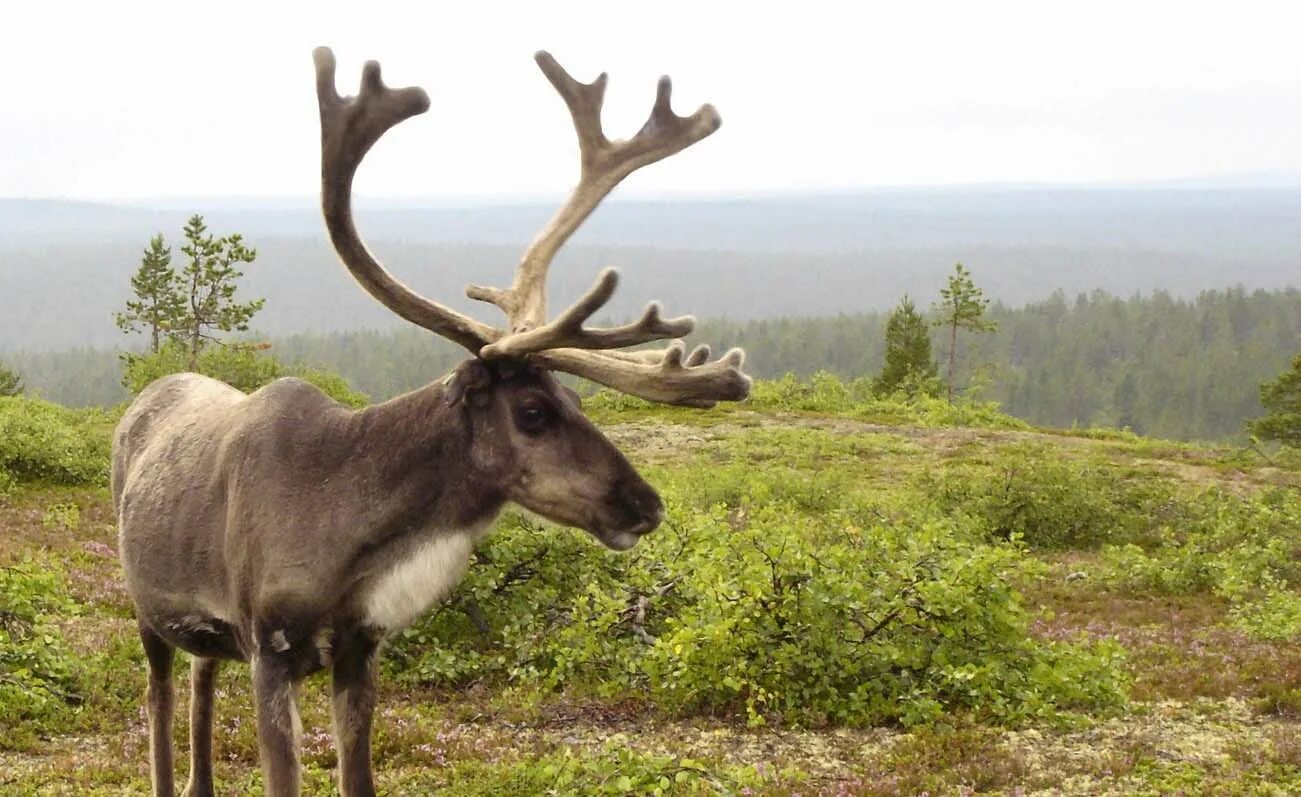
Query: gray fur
point(254, 528)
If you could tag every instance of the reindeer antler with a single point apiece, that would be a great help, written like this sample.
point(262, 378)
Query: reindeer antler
point(604, 165)
point(662, 375)
point(350, 126)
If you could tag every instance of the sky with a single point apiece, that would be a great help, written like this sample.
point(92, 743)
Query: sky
point(140, 100)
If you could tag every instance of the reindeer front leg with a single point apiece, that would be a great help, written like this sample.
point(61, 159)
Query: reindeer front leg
point(354, 704)
point(203, 683)
point(278, 726)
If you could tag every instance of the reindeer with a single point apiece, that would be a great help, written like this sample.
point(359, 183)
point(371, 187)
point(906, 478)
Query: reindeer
point(282, 529)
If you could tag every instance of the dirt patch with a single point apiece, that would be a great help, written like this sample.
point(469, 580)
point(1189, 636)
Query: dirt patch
point(658, 442)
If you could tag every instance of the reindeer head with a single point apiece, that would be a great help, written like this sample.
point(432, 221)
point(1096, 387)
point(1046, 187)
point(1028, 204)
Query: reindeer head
point(528, 436)
point(550, 458)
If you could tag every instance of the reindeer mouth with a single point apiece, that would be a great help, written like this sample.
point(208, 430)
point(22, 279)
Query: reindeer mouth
point(618, 540)
point(625, 538)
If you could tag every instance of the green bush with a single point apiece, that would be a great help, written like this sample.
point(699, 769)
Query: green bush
point(1246, 549)
point(40, 441)
point(827, 394)
point(11, 384)
point(763, 607)
point(40, 680)
point(915, 405)
point(245, 367)
point(1034, 493)
point(823, 392)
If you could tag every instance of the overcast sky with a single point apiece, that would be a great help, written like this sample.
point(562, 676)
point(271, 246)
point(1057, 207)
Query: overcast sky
point(137, 100)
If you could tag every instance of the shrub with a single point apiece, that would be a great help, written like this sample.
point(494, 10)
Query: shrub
point(825, 393)
point(11, 384)
point(1246, 549)
point(1033, 493)
point(242, 366)
point(40, 441)
point(39, 679)
point(764, 608)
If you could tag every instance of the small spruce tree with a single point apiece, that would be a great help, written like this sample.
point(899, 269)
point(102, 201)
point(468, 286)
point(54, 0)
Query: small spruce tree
point(962, 306)
point(11, 384)
point(208, 283)
point(907, 350)
point(159, 304)
point(1282, 401)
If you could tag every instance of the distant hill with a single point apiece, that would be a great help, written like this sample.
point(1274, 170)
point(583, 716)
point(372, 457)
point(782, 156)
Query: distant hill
point(64, 265)
point(1257, 222)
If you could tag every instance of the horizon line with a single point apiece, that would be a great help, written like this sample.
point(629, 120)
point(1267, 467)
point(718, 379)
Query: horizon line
point(1221, 182)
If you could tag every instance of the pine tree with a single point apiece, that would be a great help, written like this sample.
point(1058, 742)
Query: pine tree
point(181, 311)
point(11, 384)
point(962, 306)
point(1282, 400)
point(907, 349)
point(208, 287)
point(159, 304)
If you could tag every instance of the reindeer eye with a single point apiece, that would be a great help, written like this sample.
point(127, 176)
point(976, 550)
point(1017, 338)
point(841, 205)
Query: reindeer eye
point(533, 418)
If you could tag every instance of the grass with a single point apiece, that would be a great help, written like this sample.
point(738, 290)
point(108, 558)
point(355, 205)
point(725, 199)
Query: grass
point(1212, 710)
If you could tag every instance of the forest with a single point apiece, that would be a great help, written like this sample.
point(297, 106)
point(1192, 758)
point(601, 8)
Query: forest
point(1180, 368)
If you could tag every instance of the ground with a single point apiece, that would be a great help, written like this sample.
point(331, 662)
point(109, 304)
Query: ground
point(1212, 710)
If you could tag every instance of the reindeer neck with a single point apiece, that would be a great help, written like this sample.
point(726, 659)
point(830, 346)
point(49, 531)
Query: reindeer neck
point(419, 450)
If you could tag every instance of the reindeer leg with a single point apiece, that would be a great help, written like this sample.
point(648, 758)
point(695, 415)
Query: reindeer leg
point(160, 702)
point(203, 682)
point(278, 726)
point(354, 704)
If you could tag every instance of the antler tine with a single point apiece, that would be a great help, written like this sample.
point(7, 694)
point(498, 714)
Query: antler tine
point(567, 330)
point(349, 127)
point(604, 164)
point(666, 375)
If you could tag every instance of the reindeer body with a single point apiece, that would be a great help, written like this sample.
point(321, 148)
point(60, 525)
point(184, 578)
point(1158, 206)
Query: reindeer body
point(276, 518)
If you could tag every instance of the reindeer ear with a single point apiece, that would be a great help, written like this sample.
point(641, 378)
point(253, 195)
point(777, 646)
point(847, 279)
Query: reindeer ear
point(468, 380)
point(573, 396)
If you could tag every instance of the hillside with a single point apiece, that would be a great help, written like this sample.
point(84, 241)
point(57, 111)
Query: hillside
point(851, 597)
point(64, 267)
point(1223, 222)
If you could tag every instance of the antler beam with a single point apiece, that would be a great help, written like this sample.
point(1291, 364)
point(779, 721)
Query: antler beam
point(349, 127)
point(604, 164)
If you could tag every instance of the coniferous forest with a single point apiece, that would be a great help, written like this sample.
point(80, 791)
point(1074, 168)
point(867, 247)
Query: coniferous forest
point(1157, 364)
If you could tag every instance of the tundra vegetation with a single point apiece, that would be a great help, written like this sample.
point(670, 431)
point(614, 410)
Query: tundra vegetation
point(851, 595)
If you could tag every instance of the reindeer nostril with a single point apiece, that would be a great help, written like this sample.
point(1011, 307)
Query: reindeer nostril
point(641, 504)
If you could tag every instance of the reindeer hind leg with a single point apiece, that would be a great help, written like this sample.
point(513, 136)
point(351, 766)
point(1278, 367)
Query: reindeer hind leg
point(160, 704)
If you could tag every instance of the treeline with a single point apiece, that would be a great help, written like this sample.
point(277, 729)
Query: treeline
point(1162, 366)
point(1166, 367)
